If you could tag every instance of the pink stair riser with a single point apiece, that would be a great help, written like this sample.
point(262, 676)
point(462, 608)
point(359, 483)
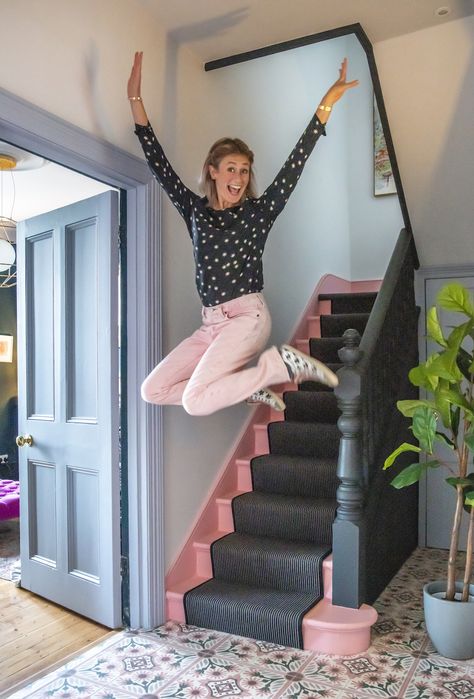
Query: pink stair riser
point(302, 345)
point(244, 476)
point(314, 326)
point(261, 439)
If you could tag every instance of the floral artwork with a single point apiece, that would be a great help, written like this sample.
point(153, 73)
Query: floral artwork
point(384, 182)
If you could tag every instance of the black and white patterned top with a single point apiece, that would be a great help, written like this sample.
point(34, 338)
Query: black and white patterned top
point(228, 244)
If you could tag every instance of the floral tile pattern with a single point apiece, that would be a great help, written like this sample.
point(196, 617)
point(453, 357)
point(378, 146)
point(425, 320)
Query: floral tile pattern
point(182, 662)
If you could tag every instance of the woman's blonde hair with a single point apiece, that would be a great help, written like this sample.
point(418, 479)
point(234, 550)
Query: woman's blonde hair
point(219, 150)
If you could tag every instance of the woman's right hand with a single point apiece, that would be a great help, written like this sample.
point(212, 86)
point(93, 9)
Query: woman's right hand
point(134, 84)
point(134, 87)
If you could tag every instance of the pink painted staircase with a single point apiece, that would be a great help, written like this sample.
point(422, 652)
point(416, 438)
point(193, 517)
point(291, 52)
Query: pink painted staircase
point(326, 628)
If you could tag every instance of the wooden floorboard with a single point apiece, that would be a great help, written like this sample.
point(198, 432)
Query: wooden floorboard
point(36, 634)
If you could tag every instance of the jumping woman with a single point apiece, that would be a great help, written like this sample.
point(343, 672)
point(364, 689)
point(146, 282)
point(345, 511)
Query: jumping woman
point(228, 227)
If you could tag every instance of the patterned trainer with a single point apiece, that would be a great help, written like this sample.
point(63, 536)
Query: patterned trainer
point(302, 367)
point(264, 395)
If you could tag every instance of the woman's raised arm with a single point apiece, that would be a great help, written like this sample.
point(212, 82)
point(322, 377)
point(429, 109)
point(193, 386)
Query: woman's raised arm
point(134, 87)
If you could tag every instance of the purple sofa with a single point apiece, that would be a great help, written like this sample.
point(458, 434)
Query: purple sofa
point(9, 499)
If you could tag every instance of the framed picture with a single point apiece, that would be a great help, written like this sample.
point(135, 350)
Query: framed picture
point(384, 182)
point(6, 348)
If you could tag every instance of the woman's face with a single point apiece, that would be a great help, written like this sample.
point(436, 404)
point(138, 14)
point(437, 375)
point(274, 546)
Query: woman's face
point(231, 177)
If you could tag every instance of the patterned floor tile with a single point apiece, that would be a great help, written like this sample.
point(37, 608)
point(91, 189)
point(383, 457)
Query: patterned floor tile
point(180, 661)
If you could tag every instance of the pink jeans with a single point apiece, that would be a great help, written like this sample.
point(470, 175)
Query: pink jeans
point(205, 373)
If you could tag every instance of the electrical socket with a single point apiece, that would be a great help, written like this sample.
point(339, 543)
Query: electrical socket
point(3, 459)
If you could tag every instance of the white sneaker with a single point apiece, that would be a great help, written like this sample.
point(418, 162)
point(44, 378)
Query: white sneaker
point(264, 395)
point(302, 367)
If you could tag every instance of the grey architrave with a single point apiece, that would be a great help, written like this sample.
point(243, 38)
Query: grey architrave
point(348, 527)
point(38, 131)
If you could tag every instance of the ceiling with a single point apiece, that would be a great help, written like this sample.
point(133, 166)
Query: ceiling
point(37, 186)
point(214, 29)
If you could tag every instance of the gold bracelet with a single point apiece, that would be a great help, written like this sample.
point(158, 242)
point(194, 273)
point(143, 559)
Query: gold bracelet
point(324, 108)
point(135, 99)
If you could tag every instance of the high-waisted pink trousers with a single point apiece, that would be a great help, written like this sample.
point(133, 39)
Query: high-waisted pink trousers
point(205, 372)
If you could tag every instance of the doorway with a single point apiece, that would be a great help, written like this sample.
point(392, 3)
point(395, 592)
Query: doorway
point(42, 133)
point(66, 335)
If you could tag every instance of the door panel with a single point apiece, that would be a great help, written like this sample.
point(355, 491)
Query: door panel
point(68, 402)
point(40, 332)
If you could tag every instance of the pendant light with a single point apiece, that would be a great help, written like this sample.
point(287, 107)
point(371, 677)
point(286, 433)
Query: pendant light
point(7, 226)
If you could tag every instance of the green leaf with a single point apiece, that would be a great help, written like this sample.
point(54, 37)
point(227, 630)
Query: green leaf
point(420, 377)
point(455, 297)
point(455, 397)
point(459, 481)
point(455, 417)
point(441, 437)
point(465, 363)
point(424, 428)
point(412, 474)
point(445, 366)
point(469, 438)
point(469, 498)
point(442, 404)
point(408, 407)
point(434, 328)
point(458, 334)
point(403, 447)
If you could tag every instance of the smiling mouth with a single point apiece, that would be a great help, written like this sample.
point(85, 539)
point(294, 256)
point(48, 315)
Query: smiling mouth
point(234, 190)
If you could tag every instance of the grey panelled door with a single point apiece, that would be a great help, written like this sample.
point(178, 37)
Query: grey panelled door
point(68, 403)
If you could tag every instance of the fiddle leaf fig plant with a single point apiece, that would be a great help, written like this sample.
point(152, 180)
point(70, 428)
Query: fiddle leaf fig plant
point(443, 421)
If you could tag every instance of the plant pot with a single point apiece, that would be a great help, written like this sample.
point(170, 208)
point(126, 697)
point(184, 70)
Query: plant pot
point(450, 625)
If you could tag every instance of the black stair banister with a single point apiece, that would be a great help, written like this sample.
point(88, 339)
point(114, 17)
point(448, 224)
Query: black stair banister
point(389, 345)
point(373, 378)
point(349, 526)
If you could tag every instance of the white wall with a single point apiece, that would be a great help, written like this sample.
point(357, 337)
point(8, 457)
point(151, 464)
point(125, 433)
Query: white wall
point(374, 222)
point(74, 62)
point(428, 83)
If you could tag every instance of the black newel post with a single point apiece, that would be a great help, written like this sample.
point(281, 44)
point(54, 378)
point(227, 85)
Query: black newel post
point(348, 527)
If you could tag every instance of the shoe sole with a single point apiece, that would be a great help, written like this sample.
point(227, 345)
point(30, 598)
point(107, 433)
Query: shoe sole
point(323, 373)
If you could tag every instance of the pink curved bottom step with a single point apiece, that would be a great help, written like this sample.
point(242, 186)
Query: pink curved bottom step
point(326, 628)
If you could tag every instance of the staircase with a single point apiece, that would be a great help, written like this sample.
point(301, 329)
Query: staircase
point(267, 574)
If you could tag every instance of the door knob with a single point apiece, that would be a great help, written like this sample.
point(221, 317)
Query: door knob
point(23, 439)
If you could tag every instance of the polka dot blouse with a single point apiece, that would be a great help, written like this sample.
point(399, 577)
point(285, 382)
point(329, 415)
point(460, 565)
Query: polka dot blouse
point(228, 244)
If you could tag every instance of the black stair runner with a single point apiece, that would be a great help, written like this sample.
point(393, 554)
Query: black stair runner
point(268, 573)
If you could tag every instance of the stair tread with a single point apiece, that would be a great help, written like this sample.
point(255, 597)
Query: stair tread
point(209, 538)
point(303, 438)
point(230, 495)
point(295, 475)
point(269, 545)
point(254, 612)
point(229, 588)
point(180, 587)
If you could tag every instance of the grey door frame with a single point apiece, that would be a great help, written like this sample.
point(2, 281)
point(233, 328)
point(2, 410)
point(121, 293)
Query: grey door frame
point(31, 128)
